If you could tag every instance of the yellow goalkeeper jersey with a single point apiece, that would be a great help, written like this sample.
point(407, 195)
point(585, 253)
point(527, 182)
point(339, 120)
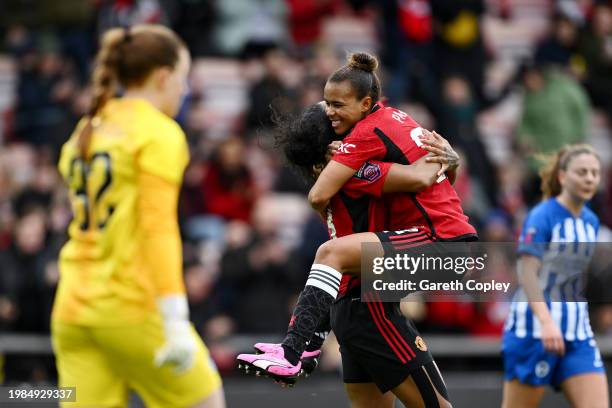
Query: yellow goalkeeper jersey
point(124, 247)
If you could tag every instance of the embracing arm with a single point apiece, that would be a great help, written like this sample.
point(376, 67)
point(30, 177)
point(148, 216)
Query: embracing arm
point(442, 160)
point(441, 152)
point(402, 178)
point(411, 178)
point(329, 182)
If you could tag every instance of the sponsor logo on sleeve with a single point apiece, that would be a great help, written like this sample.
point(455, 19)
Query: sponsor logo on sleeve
point(369, 172)
point(529, 235)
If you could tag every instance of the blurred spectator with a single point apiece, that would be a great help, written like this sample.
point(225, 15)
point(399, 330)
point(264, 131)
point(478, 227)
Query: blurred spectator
point(448, 317)
point(596, 47)
point(69, 20)
point(30, 272)
point(408, 50)
point(497, 227)
point(578, 11)
point(270, 92)
point(74, 20)
point(194, 21)
point(260, 272)
point(45, 89)
point(323, 63)
point(602, 319)
point(561, 46)
point(191, 202)
point(241, 22)
point(125, 13)
point(456, 116)
point(314, 233)
point(471, 192)
point(27, 286)
point(459, 46)
point(228, 188)
point(305, 18)
point(555, 112)
point(510, 197)
point(204, 301)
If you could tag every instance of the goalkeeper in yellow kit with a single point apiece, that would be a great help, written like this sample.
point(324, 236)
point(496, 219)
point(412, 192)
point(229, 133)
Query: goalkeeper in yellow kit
point(120, 319)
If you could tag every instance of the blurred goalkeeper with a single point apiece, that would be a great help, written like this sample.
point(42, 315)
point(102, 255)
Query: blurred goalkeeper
point(120, 320)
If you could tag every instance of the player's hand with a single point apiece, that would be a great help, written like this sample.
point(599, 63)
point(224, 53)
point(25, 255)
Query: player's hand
point(180, 347)
point(442, 151)
point(552, 338)
point(332, 148)
point(317, 169)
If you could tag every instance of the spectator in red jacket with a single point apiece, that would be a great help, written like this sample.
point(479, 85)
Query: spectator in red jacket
point(228, 187)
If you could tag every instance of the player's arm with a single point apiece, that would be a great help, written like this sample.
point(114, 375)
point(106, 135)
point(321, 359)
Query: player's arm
point(161, 165)
point(375, 178)
point(158, 203)
point(535, 235)
point(528, 267)
point(411, 178)
point(329, 182)
point(417, 176)
point(354, 151)
point(163, 253)
point(441, 152)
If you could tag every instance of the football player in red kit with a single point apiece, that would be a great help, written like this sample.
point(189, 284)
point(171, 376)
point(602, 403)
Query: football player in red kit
point(388, 357)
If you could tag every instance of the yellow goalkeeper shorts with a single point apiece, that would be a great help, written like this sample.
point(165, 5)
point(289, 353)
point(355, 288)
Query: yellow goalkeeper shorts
point(105, 363)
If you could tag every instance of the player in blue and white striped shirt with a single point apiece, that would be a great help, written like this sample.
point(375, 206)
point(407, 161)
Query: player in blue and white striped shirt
point(548, 338)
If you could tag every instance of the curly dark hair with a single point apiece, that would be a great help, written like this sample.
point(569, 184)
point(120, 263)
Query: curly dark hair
point(303, 139)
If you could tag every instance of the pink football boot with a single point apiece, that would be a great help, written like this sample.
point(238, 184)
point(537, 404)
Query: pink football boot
point(309, 359)
point(272, 364)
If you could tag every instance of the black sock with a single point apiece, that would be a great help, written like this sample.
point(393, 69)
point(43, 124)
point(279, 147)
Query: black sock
point(317, 339)
point(312, 307)
point(291, 355)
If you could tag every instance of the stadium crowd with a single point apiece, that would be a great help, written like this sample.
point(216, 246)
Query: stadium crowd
point(500, 79)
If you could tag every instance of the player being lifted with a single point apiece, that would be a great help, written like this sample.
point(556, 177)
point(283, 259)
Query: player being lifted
point(120, 319)
point(386, 354)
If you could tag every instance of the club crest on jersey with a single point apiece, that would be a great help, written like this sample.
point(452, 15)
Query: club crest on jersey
point(420, 343)
point(369, 172)
point(344, 147)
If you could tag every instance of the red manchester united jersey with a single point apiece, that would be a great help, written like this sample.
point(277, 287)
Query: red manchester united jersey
point(358, 207)
point(390, 135)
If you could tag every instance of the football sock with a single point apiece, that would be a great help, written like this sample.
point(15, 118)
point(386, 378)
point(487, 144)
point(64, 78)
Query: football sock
point(312, 307)
point(323, 329)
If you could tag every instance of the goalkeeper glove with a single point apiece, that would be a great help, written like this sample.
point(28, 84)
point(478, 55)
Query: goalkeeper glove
point(180, 347)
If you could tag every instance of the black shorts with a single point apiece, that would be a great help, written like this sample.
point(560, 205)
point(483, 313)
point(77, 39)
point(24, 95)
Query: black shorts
point(377, 343)
point(399, 241)
point(418, 242)
point(408, 239)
